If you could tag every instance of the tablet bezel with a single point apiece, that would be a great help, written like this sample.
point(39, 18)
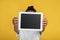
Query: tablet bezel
point(19, 21)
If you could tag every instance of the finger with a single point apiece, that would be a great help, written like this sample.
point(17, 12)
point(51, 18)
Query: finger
point(45, 21)
point(14, 20)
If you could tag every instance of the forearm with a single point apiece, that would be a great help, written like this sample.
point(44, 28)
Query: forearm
point(42, 30)
point(16, 29)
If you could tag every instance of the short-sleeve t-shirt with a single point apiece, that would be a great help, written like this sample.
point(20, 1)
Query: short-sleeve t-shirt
point(29, 35)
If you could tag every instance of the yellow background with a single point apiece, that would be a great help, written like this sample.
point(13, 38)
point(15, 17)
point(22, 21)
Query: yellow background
point(10, 9)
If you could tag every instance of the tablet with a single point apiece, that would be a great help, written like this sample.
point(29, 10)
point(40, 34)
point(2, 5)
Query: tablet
point(30, 21)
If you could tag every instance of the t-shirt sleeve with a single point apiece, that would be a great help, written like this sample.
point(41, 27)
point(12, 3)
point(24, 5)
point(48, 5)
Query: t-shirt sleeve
point(17, 35)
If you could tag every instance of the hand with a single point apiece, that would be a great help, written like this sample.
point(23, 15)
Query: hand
point(15, 21)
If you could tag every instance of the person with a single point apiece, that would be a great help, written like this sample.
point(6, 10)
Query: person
point(28, 35)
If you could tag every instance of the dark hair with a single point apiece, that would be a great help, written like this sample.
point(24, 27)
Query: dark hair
point(30, 8)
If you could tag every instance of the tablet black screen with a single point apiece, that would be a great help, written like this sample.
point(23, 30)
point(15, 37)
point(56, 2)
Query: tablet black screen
point(30, 21)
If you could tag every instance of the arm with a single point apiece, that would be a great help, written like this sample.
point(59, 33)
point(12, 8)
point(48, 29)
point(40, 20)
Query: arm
point(45, 21)
point(15, 23)
point(16, 29)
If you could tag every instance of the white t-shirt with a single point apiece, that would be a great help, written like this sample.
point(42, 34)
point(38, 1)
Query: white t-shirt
point(29, 35)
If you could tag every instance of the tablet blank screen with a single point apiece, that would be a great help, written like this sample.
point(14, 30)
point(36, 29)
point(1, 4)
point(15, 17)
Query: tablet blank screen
point(30, 21)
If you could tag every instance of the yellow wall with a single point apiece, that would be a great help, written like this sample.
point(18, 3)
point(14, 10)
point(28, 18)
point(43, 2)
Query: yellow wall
point(10, 9)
